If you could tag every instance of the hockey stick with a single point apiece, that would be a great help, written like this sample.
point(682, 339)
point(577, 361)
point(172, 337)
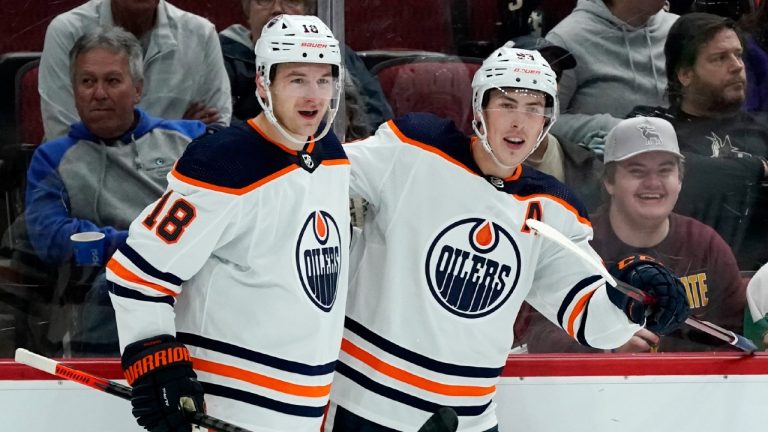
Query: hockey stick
point(444, 420)
point(738, 341)
point(53, 367)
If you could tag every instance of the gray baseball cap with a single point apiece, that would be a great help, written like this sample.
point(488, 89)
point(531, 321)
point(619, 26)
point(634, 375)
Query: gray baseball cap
point(637, 135)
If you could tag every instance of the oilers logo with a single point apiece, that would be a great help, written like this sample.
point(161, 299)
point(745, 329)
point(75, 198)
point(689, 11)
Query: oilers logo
point(318, 258)
point(472, 267)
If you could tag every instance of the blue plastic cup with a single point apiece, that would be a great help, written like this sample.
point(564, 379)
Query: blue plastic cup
point(88, 248)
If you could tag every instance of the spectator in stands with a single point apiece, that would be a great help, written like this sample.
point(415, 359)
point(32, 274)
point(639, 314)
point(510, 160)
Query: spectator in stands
point(643, 176)
point(112, 163)
point(725, 147)
point(756, 58)
point(184, 74)
point(237, 44)
point(571, 163)
point(619, 48)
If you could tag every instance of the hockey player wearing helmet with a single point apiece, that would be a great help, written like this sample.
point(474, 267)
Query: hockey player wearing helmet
point(444, 260)
point(231, 288)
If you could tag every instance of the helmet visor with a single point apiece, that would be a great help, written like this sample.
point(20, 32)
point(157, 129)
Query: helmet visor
point(518, 102)
point(324, 88)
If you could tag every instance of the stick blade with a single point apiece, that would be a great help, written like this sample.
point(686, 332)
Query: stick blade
point(744, 344)
point(444, 420)
point(36, 361)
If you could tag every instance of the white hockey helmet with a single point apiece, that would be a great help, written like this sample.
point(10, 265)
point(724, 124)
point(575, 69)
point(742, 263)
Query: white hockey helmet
point(515, 68)
point(298, 39)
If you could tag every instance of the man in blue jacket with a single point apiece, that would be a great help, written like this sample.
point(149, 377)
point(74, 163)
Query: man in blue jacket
point(112, 163)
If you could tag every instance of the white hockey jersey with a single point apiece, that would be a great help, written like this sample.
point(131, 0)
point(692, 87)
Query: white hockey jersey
point(441, 270)
point(249, 250)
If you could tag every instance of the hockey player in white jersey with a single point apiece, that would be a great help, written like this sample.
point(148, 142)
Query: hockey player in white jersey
point(445, 259)
point(231, 289)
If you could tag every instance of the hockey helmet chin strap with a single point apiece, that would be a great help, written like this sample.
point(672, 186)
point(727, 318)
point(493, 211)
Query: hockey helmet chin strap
point(481, 132)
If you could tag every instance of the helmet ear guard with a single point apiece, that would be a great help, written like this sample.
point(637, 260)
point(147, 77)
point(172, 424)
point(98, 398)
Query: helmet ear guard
point(297, 39)
point(509, 67)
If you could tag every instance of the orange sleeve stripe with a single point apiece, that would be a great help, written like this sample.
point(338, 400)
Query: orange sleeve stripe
point(260, 380)
point(580, 305)
point(412, 379)
point(335, 162)
point(426, 147)
point(127, 275)
point(560, 201)
point(233, 191)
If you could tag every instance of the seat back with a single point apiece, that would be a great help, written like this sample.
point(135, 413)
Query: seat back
point(439, 85)
point(29, 120)
point(419, 25)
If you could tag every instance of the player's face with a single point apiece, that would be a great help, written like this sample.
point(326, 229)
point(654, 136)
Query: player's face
point(301, 94)
point(261, 11)
point(717, 81)
point(645, 188)
point(514, 119)
point(105, 93)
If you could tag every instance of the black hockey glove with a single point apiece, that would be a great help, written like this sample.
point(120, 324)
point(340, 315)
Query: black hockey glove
point(670, 308)
point(160, 371)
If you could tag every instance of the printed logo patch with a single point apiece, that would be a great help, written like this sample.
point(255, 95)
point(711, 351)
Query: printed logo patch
point(472, 267)
point(318, 258)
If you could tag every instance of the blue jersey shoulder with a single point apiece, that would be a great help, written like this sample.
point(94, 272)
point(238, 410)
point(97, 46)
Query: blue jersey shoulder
point(238, 156)
point(535, 182)
point(436, 132)
point(234, 157)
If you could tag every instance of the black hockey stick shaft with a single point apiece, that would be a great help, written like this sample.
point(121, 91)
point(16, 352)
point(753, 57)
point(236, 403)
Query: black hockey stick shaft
point(60, 370)
point(444, 420)
point(546, 231)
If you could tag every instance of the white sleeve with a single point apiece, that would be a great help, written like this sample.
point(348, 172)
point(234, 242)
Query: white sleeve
point(757, 294)
point(573, 296)
point(167, 244)
point(54, 84)
point(371, 161)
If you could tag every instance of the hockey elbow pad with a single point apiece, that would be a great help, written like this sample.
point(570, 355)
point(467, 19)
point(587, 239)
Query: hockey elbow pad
point(160, 371)
point(670, 306)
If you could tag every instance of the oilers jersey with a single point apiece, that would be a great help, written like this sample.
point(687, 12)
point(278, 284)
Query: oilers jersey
point(245, 260)
point(441, 269)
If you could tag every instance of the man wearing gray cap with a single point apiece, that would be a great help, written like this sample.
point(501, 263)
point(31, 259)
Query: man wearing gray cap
point(643, 177)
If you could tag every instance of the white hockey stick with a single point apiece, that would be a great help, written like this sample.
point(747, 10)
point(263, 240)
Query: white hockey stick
point(116, 389)
point(556, 236)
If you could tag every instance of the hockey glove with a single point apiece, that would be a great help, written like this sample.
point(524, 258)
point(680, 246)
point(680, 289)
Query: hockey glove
point(160, 371)
point(670, 308)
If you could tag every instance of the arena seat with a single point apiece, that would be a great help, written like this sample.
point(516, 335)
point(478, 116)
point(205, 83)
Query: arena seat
point(29, 120)
point(379, 24)
point(439, 85)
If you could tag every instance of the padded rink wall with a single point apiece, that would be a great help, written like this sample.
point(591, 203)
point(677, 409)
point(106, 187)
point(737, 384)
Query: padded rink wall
point(541, 393)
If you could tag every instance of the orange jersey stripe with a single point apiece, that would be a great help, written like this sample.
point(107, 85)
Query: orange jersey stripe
point(233, 191)
point(335, 162)
point(560, 201)
point(129, 276)
point(577, 310)
point(426, 147)
point(260, 380)
point(412, 379)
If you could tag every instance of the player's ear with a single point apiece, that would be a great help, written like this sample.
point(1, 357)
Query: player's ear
point(261, 91)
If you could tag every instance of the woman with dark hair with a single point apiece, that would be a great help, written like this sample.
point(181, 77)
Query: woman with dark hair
point(756, 57)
